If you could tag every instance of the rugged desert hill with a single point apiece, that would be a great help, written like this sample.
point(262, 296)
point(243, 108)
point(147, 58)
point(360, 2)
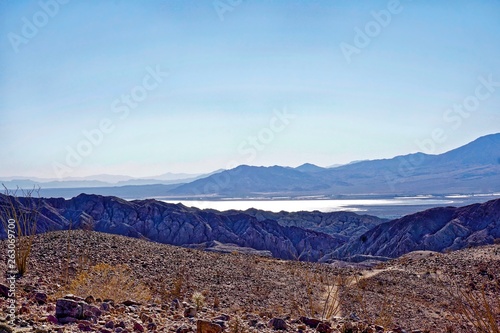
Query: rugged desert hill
point(161, 286)
point(437, 229)
point(309, 236)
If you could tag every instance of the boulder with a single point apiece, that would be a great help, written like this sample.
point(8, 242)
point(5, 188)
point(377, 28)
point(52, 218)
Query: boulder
point(204, 326)
point(68, 308)
point(277, 324)
point(311, 322)
point(323, 328)
point(40, 298)
point(4, 290)
point(138, 327)
point(190, 312)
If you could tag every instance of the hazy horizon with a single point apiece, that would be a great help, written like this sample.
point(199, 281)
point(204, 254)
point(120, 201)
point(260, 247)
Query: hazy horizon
point(143, 89)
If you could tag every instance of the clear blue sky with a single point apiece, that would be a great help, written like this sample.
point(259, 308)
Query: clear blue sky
point(68, 68)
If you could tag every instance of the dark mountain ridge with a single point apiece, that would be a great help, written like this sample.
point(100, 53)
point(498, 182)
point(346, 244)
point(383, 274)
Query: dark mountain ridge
point(176, 224)
point(437, 229)
point(303, 235)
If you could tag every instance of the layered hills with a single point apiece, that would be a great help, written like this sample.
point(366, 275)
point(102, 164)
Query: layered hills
point(472, 168)
point(310, 236)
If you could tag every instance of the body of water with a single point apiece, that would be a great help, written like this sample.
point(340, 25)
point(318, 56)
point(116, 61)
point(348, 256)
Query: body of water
point(387, 207)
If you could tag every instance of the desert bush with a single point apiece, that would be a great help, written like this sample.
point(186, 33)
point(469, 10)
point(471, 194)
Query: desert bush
point(198, 299)
point(236, 325)
point(356, 295)
point(22, 207)
point(216, 303)
point(331, 304)
point(178, 287)
point(475, 308)
point(109, 282)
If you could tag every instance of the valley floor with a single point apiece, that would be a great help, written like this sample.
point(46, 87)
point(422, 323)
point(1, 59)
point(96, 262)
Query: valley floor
point(173, 289)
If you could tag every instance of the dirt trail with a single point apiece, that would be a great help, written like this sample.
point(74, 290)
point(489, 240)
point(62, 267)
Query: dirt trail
point(332, 294)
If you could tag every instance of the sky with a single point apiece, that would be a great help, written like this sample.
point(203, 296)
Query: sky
point(142, 88)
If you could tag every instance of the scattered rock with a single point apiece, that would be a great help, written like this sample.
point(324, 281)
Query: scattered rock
point(66, 307)
point(175, 305)
point(40, 298)
point(84, 327)
point(204, 326)
point(5, 329)
point(223, 317)
point(4, 290)
point(190, 312)
point(24, 310)
point(52, 319)
point(184, 329)
point(145, 318)
point(138, 327)
point(277, 324)
point(325, 328)
point(74, 298)
point(105, 306)
point(311, 322)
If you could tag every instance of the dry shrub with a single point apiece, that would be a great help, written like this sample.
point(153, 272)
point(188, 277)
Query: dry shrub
point(198, 299)
point(23, 207)
point(176, 291)
point(236, 325)
point(475, 308)
point(355, 294)
point(311, 307)
point(331, 304)
point(109, 282)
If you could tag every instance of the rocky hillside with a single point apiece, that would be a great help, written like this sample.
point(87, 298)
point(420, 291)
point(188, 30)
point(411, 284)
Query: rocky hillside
point(347, 225)
point(163, 288)
point(438, 229)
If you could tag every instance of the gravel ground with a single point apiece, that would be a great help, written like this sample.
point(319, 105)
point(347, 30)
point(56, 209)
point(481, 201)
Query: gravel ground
point(162, 283)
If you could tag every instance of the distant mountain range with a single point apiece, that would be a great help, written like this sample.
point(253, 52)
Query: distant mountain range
point(473, 168)
point(311, 236)
point(101, 181)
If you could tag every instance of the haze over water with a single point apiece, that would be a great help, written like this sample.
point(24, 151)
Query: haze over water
point(389, 207)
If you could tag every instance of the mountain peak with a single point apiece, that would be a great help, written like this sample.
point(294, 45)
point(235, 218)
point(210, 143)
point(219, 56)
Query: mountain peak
point(309, 167)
